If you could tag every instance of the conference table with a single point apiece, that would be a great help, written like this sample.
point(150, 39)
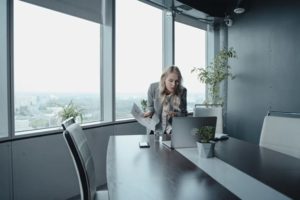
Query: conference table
point(239, 170)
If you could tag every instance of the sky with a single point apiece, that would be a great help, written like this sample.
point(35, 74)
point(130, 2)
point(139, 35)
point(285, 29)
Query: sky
point(56, 52)
point(50, 47)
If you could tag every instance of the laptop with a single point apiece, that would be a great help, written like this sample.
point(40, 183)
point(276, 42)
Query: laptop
point(183, 129)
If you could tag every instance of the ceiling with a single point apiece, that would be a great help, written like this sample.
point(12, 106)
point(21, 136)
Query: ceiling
point(214, 8)
point(209, 11)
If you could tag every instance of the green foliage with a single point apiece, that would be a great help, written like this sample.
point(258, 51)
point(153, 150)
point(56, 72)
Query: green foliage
point(39, 123)
point(70, 110)
point(215, 73)
point(144, 105)
point(205, 134)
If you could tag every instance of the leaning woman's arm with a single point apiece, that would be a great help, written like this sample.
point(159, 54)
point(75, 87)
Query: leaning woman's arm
point(182, 106)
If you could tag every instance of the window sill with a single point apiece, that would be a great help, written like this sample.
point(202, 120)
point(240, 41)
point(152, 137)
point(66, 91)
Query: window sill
point(59, 130)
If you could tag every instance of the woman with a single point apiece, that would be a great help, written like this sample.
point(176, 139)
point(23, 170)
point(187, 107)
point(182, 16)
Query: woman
point(167, 99)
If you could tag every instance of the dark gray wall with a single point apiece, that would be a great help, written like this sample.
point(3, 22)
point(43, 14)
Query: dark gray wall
point(5, 171)
point(42, 167)
point(267, 41)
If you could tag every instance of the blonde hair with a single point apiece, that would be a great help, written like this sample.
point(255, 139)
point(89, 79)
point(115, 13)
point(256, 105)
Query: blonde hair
point(163, 90)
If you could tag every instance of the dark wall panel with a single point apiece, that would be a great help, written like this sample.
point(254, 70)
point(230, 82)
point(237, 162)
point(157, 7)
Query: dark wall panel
point(43, 168)
point(5, 171)
point(267, 41)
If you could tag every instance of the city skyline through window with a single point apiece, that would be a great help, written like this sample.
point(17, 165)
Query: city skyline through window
point(190, 52)
point(138, 53)
point(56, 63)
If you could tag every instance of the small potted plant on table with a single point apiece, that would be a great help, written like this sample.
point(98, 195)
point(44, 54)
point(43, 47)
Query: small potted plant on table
point(205, 143)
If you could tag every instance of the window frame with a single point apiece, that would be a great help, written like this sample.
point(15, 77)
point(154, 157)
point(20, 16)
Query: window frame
point(11, 89)
point(107, 68)
point(167, 51)
point(6, 71)
point(201, 26)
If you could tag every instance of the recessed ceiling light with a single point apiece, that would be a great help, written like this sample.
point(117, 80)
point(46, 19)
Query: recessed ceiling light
point(239, 10)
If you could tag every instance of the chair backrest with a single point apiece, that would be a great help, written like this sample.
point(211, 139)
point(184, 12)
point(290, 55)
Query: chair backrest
point(282, 134)
point(83, 160)
point(67, 122)
point(201, 110)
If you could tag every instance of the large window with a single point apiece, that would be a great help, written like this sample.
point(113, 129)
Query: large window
point(4, 71)
point(190, 48)
point(56, 63)
point(138, 53)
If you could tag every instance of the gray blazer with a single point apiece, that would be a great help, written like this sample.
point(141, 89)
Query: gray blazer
point(155, 106)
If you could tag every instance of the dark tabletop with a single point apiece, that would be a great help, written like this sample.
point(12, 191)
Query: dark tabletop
point(277, 170)
point(156, 173)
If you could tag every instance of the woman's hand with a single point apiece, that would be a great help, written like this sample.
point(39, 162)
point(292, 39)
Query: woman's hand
point(148, 114)
point(171, 114)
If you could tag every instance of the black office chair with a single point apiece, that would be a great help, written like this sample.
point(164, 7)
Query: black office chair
point(83, 161)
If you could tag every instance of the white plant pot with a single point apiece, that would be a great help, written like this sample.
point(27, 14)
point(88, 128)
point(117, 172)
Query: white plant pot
point(206, 150)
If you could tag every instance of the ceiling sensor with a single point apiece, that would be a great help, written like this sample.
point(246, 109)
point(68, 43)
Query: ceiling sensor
point(228, 21)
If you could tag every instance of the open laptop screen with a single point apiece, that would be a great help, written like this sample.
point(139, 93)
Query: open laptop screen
point(183, 129)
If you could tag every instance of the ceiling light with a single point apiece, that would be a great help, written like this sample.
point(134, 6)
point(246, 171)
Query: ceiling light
point(239, 10)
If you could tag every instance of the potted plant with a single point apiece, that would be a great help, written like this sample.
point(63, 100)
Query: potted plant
point(144, 105)
point(205, 143)
point(70, 110)
point(217, 71)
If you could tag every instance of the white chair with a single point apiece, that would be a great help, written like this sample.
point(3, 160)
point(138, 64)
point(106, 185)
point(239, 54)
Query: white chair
point(202, 110)
point(282, 134)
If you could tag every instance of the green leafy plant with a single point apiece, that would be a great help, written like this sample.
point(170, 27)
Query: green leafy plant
point(70, 110)
point(144, 105)
point(215, 73)
point(205, 134)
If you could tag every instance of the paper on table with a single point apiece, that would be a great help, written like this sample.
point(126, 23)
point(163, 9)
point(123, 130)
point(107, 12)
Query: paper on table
point(148, 122)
